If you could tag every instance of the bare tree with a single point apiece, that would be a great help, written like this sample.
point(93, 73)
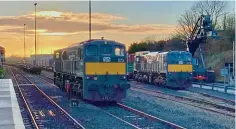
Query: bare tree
point(213, 8)
point(230, 22)
point(187, 21)
point(230, 27)
point(186, 24)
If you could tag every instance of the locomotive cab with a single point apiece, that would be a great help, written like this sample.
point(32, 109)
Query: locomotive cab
point(179, 69)
point(105, 71)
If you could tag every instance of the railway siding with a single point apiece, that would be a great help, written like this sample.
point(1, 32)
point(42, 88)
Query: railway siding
point(44, 113)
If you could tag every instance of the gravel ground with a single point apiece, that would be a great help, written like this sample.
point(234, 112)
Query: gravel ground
point(183, 115)
point(184, 93)
point(212, 92)
point(46, 73)
point(137, 120)
point(88, 115)
point(180, 93)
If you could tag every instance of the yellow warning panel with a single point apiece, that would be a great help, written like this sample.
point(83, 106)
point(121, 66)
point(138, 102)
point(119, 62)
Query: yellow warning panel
point(105, 68)
point(180, 68)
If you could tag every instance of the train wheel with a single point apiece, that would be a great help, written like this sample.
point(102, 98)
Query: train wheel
point(155, 81)
point(159, 79)
point(163, 81)
point(150, 79)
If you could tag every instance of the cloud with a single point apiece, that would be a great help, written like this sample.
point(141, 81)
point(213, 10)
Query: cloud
point(68, 23)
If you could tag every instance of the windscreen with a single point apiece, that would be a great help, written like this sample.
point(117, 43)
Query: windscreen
point(119, 51)
point(106, 49)
point(92, 50)
point(179, 58)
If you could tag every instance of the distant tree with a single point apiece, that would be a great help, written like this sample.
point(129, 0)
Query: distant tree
point(147, 45)
point(224, 22)
point(175, 44)
point(133, 48)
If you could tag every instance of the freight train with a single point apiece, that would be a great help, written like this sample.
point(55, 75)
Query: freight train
point(44, 61)
point(171, 69)
point(96, 69)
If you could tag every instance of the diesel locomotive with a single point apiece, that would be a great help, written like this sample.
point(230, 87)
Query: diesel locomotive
point(96, 69)
point(171, 69)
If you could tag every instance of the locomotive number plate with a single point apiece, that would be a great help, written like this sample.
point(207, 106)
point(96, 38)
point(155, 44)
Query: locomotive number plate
point(180, 62)
point(106, 59)
point(121, 60)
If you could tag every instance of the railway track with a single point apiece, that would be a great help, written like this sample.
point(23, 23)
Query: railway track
point(214, 97)
point(230, 111)
point(26, 116)
point(137, 119)
point(44, 112)
point(206, 105)
point(130, 116)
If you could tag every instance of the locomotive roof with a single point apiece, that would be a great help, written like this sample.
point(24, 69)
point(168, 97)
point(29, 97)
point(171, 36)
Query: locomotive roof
point(88, 42)
point(92, 40)
point(167, 52)
point(178, 52)
point(152, 53)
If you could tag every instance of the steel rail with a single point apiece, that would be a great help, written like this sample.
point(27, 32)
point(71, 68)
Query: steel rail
point(213, 96)
point(26, 104)
point(53, 102)
point(121, 119)
point(112, 115)
point(183, 98)
point(150, 116)
point(140, 113)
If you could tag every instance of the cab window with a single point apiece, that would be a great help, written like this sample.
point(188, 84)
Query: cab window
point(92, 50)
point(105, 49)
point(119, 51)
point(57, 55)
point(122, 51)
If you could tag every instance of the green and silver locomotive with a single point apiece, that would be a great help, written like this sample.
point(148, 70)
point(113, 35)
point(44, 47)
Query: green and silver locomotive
point(171, 69)
point(96, 69)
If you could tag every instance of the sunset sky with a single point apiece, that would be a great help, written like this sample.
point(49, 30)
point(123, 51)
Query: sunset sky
point(60, 24)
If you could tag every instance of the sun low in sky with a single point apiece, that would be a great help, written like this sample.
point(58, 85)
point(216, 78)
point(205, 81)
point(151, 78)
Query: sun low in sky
point(60, 24)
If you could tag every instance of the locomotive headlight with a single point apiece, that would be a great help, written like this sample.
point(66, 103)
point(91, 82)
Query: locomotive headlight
point(123, 77)
point(91, 78)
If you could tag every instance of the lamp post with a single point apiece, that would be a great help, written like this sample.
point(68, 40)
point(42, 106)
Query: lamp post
point(90, 19)
point(35, 35)
point(24, 42)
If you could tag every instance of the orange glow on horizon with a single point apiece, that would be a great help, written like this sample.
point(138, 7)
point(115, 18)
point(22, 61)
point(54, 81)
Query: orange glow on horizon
point(56, 30)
